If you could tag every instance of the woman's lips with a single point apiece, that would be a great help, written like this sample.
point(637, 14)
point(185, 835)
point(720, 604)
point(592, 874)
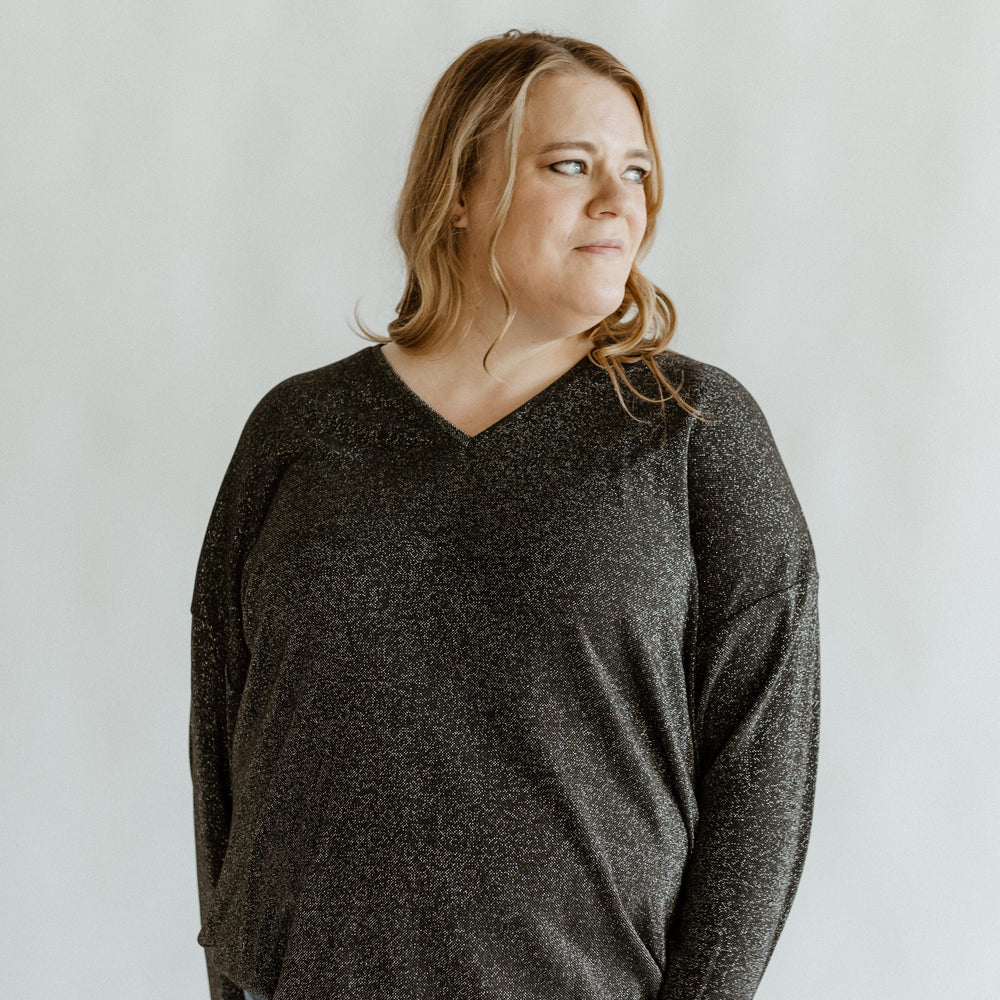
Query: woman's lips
point(603, 248)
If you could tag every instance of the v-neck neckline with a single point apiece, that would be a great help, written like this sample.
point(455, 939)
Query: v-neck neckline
point(470, 439)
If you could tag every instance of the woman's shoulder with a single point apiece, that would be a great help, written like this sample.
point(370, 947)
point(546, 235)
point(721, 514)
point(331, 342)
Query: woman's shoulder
point(308, 398)
point(747, 524)
point(318, 383)
point(714, 390)
point(301, 409)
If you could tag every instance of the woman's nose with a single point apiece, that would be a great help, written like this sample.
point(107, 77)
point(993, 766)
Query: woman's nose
point(611, 197)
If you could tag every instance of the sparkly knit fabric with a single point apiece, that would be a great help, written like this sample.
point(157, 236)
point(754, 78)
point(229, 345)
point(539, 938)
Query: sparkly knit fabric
point(528, 714)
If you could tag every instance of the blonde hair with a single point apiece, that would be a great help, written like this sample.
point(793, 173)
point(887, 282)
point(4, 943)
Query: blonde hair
point(485, 91)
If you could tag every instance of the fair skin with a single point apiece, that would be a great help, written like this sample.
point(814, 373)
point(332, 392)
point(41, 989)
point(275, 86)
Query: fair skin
point(576, 220)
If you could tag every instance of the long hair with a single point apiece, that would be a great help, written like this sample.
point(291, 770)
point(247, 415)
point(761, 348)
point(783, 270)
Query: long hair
point(484, 91)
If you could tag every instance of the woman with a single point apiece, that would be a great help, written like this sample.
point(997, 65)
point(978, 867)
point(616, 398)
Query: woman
point(505, 685)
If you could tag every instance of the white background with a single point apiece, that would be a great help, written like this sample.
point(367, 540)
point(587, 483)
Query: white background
point(193, 198)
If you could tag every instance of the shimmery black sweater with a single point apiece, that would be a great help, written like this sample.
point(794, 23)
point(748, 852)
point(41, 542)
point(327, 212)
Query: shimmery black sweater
point(528, 714)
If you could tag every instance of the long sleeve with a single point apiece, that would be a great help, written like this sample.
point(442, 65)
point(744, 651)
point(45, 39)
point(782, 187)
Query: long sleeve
point(754, 701)
point(220, 658)
point(212, 701)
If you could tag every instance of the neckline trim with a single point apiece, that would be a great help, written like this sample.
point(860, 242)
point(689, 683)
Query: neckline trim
point(514, 416)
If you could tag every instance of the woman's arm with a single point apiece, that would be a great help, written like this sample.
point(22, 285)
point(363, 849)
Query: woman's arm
point(210, 733)
point(219, 654)
point(754, 691)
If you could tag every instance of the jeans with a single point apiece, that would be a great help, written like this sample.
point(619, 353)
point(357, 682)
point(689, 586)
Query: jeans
point(251, 996)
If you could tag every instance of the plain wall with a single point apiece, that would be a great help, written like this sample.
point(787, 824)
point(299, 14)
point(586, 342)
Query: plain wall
point(193, 199)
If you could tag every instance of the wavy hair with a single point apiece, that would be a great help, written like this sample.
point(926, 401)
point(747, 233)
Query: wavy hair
point(485, 91)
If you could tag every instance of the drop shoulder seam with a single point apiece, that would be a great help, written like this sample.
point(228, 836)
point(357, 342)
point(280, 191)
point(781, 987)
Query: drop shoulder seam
point(806, 576)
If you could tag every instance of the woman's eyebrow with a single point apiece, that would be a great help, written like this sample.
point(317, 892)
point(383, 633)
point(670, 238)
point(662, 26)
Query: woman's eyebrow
point(589, 147)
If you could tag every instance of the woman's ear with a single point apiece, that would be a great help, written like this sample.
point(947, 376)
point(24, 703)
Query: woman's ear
point(459, 213)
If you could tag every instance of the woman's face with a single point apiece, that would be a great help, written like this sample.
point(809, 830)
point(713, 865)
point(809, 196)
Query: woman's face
point(578, 212)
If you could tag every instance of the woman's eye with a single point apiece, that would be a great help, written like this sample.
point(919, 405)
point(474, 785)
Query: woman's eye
point(575, 168)
point(572, 167)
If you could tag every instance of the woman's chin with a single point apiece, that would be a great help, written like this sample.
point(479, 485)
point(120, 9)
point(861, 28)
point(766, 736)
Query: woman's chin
point(582, 310)
point(601, 306)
